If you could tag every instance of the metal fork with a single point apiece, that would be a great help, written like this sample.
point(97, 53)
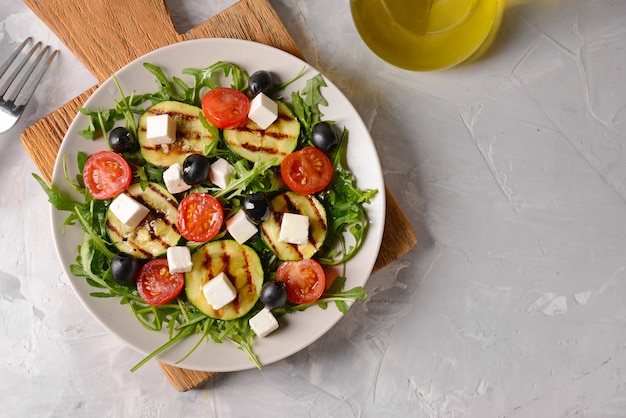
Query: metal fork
point(12, 99)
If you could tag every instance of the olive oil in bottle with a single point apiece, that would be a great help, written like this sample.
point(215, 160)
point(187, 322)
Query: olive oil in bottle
point(426, 35)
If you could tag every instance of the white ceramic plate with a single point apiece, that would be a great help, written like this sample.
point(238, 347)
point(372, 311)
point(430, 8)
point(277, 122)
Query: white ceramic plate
point(297, 330)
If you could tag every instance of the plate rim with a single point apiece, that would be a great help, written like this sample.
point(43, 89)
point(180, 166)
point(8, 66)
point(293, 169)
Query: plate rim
point(380, 197)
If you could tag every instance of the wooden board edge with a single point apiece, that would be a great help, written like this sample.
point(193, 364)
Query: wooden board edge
point(398, 235)
point(185, 379)
point(255, 27)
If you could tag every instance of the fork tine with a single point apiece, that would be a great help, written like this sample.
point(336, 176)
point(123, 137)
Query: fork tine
point(31, 89)
point(5, 86)
point(14, 54)
point(24, 78)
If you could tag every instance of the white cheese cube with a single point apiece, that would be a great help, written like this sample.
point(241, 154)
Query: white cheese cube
point(128, 210)
point(179, 259)
point(173, 179)
point(161, 129)
point(219, 291)
point(240, 227)
point(263, 111)
point(294, 228)
point(263, 323)
point(221, 173)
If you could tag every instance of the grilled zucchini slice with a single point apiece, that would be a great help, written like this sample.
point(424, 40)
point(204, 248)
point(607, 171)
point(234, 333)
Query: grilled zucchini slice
point(279, 139)
point(191, 136)
point(306, 205)
point(242, 266)
point(156, 232)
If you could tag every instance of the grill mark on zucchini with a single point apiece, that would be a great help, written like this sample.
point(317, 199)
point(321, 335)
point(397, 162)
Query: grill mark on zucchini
point(156, 232)
point(192, 137)
point(152, 111)
point(144, 253)
point(265, 230)
point(241, 265)
point(167, 198)
point(291, 207)
point(307, 205)
point(279, 139)
point(254, 148)
point(277, 135)
point(155, 214)
point(248, 273)
point(225, 257)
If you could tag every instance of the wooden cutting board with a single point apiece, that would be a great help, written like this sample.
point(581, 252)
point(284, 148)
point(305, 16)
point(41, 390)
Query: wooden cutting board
point(108, 34)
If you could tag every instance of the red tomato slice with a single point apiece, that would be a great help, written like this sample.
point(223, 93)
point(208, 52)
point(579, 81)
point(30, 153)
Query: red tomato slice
point(225, 107)
point(106, 174)
point(306, 171)
point(200, 217)
point(156, 285)
point(305, 280)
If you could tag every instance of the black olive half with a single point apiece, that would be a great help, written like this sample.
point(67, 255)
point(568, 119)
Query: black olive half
point(256, 207)
point(196, 169)
point(260, 82)
point(124, 268)
point(273, 294)
point(121, 139)
point(324, 137)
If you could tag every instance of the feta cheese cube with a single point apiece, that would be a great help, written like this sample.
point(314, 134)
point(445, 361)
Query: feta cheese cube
point(173, 179)
point(221, 173)
point(263, 323)
point(294, 228)
point(179, 259)
point(128, 210)
point(161, 129)
point(263, 111)
point(240, 227)
point(219, 291)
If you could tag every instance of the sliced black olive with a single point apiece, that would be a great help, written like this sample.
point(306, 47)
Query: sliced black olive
point(124, 268)
point(121, 139)
point(273, 294)
point(260, 82)
point(257, 207)
point(196, 169)
point(324, 137)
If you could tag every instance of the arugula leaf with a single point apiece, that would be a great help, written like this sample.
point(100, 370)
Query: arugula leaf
point(281, 86)
point(263, 179)
point(344, 201)
point(209, 77)
point(55, 197)
point(100, 121)
point(333, 294)
point(166, 88)
point(306, 105)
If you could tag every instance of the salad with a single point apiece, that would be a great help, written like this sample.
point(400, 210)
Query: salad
point(218, 206)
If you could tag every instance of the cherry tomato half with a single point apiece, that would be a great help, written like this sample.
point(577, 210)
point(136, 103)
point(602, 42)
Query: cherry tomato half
point(305, 280)
point(106, 175)
point(200, 217)
point(306, 171)
point(225, 107)
point(156, 285)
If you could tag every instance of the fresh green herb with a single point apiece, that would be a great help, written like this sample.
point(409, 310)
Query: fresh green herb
point(306, 105)
point(56, 199)
point(282, 86)
point(345, 203)
point(209, 77)
point(334, 293)
point(259, 178)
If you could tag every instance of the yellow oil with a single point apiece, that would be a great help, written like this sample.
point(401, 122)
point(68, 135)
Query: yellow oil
point(426, 35)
